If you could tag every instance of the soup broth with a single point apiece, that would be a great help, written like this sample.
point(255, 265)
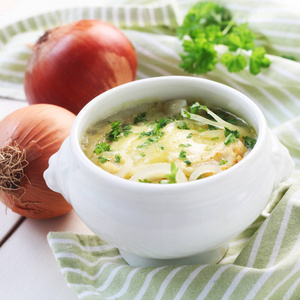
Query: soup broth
point(168, 142)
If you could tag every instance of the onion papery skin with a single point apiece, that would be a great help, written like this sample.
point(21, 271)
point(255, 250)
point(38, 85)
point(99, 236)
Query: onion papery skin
point(73, 63)
point(39, 129)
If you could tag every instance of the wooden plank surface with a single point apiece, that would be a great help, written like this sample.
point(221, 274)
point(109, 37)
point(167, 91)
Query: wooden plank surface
point(29, 270)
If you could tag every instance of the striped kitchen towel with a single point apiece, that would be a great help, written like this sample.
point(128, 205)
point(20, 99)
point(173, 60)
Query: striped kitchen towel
point(262, 263)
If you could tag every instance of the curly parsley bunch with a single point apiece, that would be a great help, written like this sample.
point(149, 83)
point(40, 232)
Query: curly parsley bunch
point(208, 24)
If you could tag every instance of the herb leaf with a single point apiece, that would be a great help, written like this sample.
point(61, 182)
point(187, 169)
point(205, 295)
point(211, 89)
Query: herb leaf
point(156, 130)
point(207, 24)
point(258, 60)
point(249, 142)
point(188, 162)
point(202, 15)
point(195, 108)
point(183, 125)
point(234, 132)
point(101, 147)
point(201, 56)
point(103, 159)
point(241, 37)
point(126, 129)
point(118, 158)
point(231, 136)
point(234, 63)
point(223, 162)
point(145, 181)
point(115, 132)
point(172, 176)
point(182, 154)
point(140, 118)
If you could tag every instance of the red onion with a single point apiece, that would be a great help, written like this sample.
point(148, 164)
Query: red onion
point(73, 63)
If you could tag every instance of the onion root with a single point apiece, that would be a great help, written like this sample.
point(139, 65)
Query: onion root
point(12, 164)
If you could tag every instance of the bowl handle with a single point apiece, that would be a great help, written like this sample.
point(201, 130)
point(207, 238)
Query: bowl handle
point(282, 161)
point(57, 174)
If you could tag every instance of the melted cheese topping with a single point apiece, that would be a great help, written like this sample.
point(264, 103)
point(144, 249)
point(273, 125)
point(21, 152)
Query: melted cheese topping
point(147, 149)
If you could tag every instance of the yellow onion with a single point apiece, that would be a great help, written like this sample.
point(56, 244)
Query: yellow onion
point(28, 137)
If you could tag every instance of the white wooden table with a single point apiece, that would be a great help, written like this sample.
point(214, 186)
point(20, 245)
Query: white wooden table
point(28, 269)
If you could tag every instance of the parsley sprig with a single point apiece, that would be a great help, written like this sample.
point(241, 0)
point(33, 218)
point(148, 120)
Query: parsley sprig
point(231, 136)
point(207, 24)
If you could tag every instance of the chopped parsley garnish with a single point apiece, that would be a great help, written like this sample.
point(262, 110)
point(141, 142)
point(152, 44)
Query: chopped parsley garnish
point(118, 158)
point(188, 162)
point(149, 141)
point(230, 139)
point(143, 154)
point(249, 142)
point(182, 154)
point(103, 159)
point(185, 145)
point(188, 115)
point(115, 132)
point(126, 129)
point(223, 162)
point(182, 125)
point(163, 122)
point(148, 133)
point(140, 118)
point(208, 24)
point(156, 130)
point(234, 132)
point(189, 135)
point(155, 134)
point(215, 138)
point(145, 181)
point(172, 176)
point(231, 136)
point(101, 147)
point(196, 107)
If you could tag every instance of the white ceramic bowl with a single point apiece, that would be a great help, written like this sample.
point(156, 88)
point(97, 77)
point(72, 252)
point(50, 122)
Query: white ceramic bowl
point(182, 223)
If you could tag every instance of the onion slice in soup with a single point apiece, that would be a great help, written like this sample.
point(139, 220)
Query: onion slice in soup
point(157, 172)
point(204, 169)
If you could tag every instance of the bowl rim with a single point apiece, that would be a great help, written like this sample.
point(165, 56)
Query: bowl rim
point(82, 159)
